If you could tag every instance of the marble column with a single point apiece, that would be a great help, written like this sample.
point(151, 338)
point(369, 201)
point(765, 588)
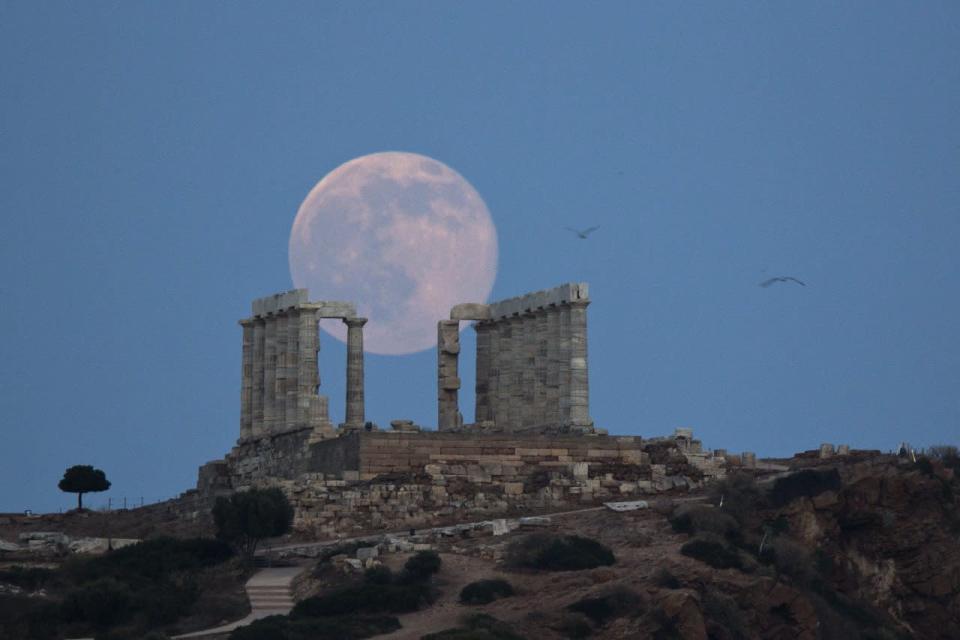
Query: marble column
point(448, 375)
point(308, 376)
point(540, 367)
point(482, 385)
point(552, 408)
point(292, 370)
point(246, 381)
point(355, 402)
point(259, 340)
point(579, 383)
point(563, 365)
point(528, 375)
point(280, 373)
point(493, 372)
point(504, 362)
point(270, 374)
point(517, 357)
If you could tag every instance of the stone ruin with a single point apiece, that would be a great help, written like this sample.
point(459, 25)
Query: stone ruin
point(280, 374)
point(531, 363)
point(533, 444)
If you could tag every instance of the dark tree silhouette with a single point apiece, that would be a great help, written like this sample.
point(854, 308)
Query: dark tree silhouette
point(246, 518)
point(81, 479)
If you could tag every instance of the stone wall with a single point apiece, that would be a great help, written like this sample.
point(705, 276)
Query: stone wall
point(365, 481)
point(512, 455)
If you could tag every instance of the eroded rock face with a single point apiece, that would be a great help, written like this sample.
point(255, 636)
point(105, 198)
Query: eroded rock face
point(892, 534)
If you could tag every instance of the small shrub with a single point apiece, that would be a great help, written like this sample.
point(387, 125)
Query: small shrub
point(924, 466)
point(367, 598)
point(336, 628)
point(421, 567)
point(550, 552)
point(485, 591)
point(615, 603)
point(723, 611)
point(948, 454)
point(99, 603)
point(740, 494)
point(696, 518)
point(806, 483)
point(713, 550)
point(664, 578)
point(573, 625)
point(28, 578)
point(378, 575)
point(478, 626)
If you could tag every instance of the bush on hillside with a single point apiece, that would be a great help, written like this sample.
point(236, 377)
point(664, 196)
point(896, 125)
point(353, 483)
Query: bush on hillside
point(366, 598)
point(340, 628)
point(696, 518)
point(614, 603)
point(151, 560)
point(720, 610)
point(378, 575)
point(247, 517)
point(664, 578)
point(713, 550)
point(806, 483)
point(420, 567)
point(100, 603)
point(573, 625)
point(740, 495)
point(485, 591)
point(27, 578)
point(551, 552)
point(478, 626)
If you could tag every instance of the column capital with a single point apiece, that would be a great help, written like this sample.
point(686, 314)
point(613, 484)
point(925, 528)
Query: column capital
point(354, 322)
point(579, 303)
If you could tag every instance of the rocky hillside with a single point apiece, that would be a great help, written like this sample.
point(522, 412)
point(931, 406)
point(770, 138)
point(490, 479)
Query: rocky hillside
point(861, 546)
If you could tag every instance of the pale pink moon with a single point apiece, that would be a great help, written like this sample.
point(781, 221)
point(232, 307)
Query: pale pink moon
point(402, 236)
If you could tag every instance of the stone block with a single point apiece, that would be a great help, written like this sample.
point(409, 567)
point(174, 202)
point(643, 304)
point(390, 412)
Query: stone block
point(470, 311)
point(513, 488)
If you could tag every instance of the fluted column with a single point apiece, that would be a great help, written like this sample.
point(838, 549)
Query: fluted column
point(292, 369)
point(540, 367)
point(552, 402)
point(280, 373)
point(484, 357)
point(504, 360)
point(246, 381)
point(355, 411)
point(517, 367)
point(527, 351)
point(579, 383)
point(563, 362)
point(308, 374)
point(259, 340)
point(270, 374)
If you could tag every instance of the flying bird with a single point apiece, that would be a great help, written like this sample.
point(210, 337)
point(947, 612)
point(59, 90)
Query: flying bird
point(767, 283)
point(582, 234)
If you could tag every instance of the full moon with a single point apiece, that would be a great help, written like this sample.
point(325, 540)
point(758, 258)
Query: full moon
point(402, 236)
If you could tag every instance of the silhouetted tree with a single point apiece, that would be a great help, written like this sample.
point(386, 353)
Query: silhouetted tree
point(246, 518)
point(81, 479)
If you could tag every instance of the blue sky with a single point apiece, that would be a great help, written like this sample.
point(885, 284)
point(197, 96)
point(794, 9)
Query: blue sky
point(153, 156)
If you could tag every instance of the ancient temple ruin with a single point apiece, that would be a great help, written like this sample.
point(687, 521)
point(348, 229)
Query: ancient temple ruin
point(532, 446)
point(531, 363)
point(280, 374)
